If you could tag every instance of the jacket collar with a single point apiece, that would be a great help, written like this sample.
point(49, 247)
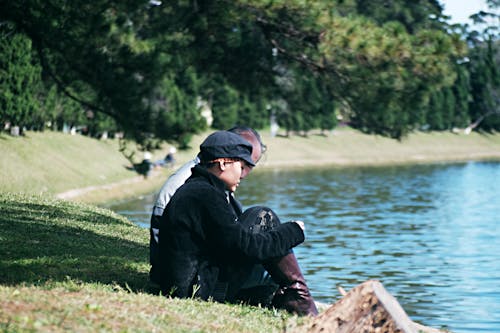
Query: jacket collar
point(198, 171)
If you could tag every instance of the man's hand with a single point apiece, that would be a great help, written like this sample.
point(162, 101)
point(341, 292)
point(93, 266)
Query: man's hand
point(301, 225)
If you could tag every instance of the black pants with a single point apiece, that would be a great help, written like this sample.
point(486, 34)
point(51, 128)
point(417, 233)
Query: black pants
point(257, 286)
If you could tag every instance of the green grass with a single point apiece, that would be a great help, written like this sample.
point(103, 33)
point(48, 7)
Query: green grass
point(47, 241)
point(94, 310)
point(51, 162)
point(74, 267)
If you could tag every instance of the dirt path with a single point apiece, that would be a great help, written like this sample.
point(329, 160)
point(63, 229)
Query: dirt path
point(125, 188)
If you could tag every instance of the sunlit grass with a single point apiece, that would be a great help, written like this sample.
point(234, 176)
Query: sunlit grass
point(53, 162)
point(48, 240)
point(73, 267)
point(92, 309)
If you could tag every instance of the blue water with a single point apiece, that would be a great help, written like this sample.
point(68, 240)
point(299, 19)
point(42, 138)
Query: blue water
point(429, 233)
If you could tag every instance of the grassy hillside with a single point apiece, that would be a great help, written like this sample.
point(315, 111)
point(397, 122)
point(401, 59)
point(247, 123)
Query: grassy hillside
point(67, 267)
point(346, 147)
point(52, 162)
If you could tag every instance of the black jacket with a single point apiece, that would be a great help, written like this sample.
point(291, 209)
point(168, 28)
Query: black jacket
point(200, 237)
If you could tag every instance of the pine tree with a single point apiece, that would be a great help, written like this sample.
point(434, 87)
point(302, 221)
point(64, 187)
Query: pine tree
point(461, 92)
point(19, 80)
point(225, 104)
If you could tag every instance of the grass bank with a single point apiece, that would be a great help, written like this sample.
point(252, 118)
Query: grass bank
point(74, 267)
point(50, 162)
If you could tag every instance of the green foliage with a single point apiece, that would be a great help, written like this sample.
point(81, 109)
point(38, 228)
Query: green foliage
point(251, 114)
point(225, 106)
point(388, 73)
point(19, 79)
point(461, 91)
point(413, 15)
point(175, 110)
point(327, 110)
point(448, 108)
point(305, 101)
point(145, 64)
point(485, 84)
point(435, 119)
point(93, 52)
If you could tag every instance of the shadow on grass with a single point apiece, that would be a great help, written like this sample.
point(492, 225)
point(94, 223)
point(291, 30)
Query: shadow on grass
point(43, 241)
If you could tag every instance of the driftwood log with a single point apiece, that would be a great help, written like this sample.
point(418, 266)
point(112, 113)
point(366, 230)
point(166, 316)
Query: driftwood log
point(367, 308)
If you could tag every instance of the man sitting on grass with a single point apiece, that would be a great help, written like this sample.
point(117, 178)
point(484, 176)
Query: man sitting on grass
point(205, 251)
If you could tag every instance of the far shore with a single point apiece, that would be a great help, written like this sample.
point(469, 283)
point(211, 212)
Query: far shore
point(340, 148)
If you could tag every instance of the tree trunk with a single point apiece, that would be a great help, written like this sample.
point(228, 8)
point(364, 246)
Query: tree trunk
point(366, 308)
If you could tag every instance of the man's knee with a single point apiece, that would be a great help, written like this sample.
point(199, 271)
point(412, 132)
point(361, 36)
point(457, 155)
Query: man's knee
point(259, 218)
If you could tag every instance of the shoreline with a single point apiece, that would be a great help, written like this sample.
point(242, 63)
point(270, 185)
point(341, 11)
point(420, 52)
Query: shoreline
point(346, 147)
point(341, 149)
point(122, 190)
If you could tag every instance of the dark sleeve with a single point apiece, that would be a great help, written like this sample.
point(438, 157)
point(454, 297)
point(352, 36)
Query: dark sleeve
point(231, 238)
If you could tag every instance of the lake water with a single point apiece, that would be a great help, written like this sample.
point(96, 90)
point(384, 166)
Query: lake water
point(429, 233)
